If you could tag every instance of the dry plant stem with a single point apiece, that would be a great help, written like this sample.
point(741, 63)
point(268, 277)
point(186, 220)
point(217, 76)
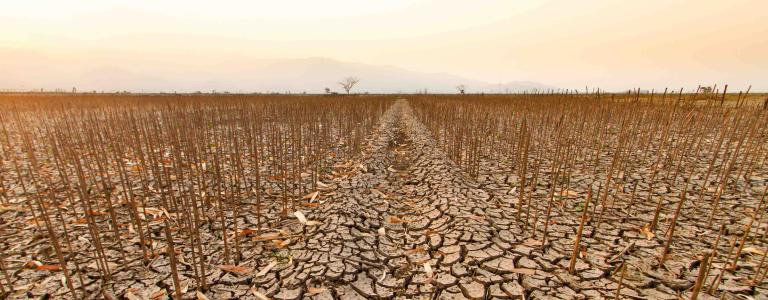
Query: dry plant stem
point(55, 241)
point(8, 277)
point(576, 243)
point(523, 162)
point(671, 234)
point(748, 228)
point(714, 251)
point(172, 255)
point(759, 267)
point(703, 267)
point(726, 173)
point(623, 269)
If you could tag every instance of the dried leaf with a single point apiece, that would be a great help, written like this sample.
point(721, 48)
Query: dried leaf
point(394, 220)
point(753, 250)
point(299, 215)
point(246, 231)
point(428, 269)
point(48, 268)
point(379, 193)
point(313, 223)
point(95, 213)
point(266, 269)
point(646, 230)
point(322, 185)
point(257, 294)
point(32, 264)
point(311, 196)
point(130, 296)
point(382, 231)
point(200, 296)
point(281, 243)
point(80, 221)
point(236, 269)
point(159, 294)
point(4, 208)
point(314, 291)
point(266, 237)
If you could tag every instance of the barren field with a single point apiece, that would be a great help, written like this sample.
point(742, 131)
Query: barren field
point(396, 197)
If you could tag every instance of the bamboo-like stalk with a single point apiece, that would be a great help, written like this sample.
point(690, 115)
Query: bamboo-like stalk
point(701, 278)
point(576, 243)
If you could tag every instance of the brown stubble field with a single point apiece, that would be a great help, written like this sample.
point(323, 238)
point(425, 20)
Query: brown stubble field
point(636, 196)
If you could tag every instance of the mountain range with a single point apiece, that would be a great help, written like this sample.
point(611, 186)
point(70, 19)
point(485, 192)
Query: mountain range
point(27, 71)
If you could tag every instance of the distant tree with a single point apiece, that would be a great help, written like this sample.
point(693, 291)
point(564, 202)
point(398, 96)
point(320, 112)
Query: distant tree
point(327, 90)
point(462, 88)
point(348, 83)
point(706, 89)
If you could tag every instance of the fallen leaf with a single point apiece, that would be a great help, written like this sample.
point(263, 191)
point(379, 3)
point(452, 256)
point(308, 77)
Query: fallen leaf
point(48, 268)
point(428, 270)
point(311, 196)
point(266, 269)
point(281, 243)
point(299, 215)
point(130, 296)
point(80, 221)
point(201, 296)
point(382, 231)
point(159, 294)
point(4, 208)
point(379, 193)
point(246, 231)
point(257, 294)
point(32, 264)
point(236, 269)
point(647, 231)
point(394, 220)
point(753, 250)
point(266, 237)
point(314, 291)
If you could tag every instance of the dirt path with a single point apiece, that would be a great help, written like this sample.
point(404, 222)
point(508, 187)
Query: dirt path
point(410, 224)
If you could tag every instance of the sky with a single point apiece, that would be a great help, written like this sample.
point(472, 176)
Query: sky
point(614, 45)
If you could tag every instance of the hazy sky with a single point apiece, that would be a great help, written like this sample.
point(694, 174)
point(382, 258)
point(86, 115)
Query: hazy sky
point(564, 43)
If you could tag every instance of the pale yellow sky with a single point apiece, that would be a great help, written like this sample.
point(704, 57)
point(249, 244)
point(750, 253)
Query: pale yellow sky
point(563, 43)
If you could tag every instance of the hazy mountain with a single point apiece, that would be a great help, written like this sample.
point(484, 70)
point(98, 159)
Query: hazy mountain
point(25, 70)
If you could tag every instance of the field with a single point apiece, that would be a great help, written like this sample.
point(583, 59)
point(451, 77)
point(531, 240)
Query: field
point(572, 196)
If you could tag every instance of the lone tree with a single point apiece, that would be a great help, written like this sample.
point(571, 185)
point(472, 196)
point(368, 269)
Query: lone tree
point(348, 83)
point(462, 88)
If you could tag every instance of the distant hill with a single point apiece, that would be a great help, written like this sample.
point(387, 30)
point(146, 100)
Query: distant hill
point(25, 70)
